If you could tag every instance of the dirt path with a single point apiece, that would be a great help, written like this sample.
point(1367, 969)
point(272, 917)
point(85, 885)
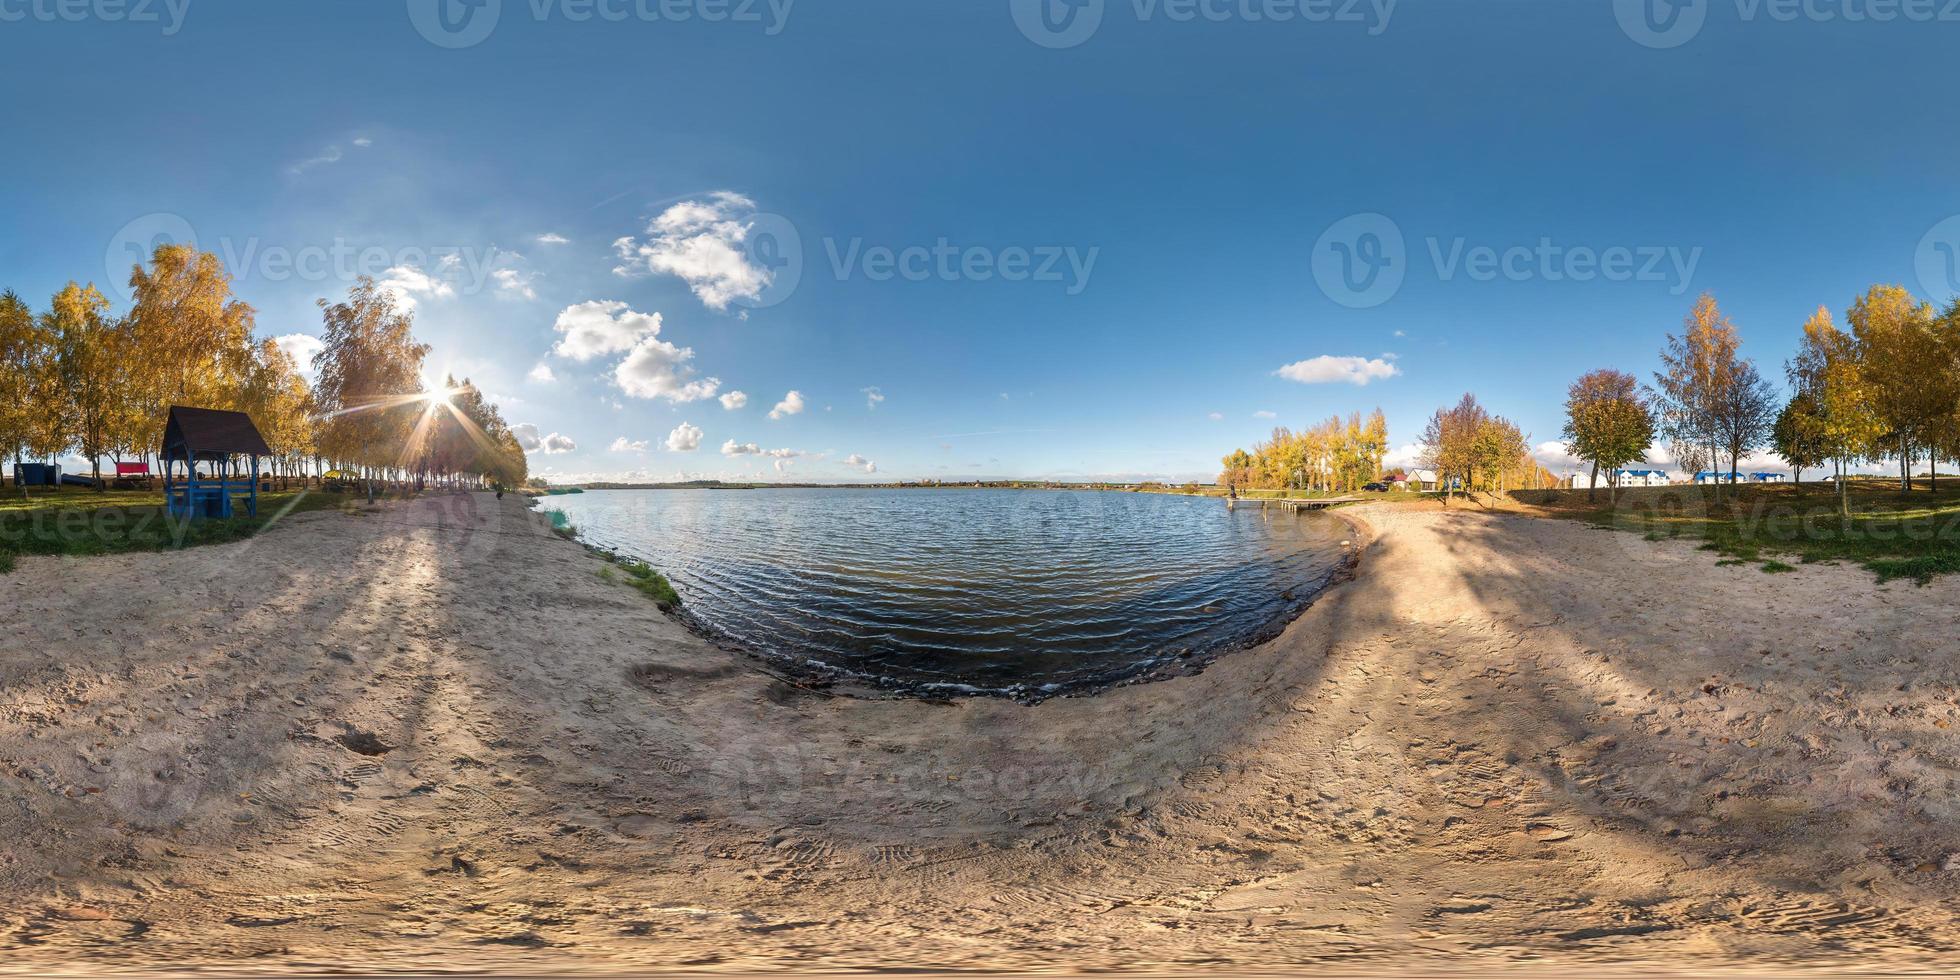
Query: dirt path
point(432, 736)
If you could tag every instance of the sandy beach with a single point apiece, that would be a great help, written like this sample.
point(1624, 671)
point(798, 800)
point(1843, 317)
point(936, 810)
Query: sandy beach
point(432, 737)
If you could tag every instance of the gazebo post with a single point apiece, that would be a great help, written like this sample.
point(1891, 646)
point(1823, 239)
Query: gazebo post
point(252, 505)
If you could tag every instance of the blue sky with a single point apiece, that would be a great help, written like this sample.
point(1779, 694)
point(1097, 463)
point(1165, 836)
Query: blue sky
point(1146, 214)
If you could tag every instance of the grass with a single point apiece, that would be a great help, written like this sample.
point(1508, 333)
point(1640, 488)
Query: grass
point(654, 585)
point(1895, 535)
point(639, 574)
point(78, 521)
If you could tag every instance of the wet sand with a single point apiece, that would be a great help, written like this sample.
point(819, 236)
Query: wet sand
point(433, 738)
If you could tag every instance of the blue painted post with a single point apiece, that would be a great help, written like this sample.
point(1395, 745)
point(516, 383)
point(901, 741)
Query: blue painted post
point(252, 506)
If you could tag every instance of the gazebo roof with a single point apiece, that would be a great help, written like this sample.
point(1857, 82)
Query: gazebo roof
point(210, 433)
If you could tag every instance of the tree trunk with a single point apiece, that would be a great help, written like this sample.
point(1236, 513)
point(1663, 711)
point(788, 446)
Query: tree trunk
point(1844, 493)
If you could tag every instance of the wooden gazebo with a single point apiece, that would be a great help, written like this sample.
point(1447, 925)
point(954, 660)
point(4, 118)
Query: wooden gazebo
point(208, 435)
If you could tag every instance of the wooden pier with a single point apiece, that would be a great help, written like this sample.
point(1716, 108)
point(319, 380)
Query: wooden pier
point(1294, 504)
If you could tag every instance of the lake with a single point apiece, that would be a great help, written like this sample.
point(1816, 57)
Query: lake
point(1007, 592)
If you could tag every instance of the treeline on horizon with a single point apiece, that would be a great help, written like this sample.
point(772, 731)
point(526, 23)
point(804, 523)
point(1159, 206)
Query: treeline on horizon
point(1886, 390)
point(1467, 447)
point(78, 378)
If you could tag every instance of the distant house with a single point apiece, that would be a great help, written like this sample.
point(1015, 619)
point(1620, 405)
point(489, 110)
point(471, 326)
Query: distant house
point(1424, 480)
point(1707, 476)
point(1642, 478)
point(1767, 477)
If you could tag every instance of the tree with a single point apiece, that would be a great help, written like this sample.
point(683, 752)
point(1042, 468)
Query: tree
point(1943, 439)
point(1607, 423)
point(1898, 349)
point(1450, 443)
point(192, 340)
point(1744, 414)
point(1799, 435)
point(1238, 470)
point(279, 400)
point(370, 384)
point(1699, 368)
point(91, 368)
point(1499, 451)
point(23, 355)
point(1826, 369)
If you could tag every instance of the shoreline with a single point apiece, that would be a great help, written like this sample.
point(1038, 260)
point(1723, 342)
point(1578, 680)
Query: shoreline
point(1498, 749)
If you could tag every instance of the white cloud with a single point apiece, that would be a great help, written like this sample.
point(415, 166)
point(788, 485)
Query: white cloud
point(657, 369)
point(363, 142)
point(552, 238)
point(1407, 457)
point(734, 400)
point(792, 404)
point(625, 445)
point(542, 374)
point(872, 396)
point(1326, 369)
point(601, 327)
point(1216, 416)
point(1555, 457)
point(733, 448)
point(514, 283)
point(529, 439)
point(1263, 414)
point(861, 463)
point(301, 347)
point(408, 282)
point(705, 243)
point(684, 439)
point(1401, 333)
point(330, 155)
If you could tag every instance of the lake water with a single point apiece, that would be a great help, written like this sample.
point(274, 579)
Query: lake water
point(976, 591)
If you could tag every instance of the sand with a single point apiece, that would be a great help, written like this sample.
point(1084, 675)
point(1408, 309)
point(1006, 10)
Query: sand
point(433, 737)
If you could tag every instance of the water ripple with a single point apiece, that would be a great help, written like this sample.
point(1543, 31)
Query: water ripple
point(992, 589)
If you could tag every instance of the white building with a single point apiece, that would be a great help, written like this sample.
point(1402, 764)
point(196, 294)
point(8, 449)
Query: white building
point(1643, 478)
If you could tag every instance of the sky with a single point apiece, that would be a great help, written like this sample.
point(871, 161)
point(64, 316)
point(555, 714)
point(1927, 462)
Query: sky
point(820, 240)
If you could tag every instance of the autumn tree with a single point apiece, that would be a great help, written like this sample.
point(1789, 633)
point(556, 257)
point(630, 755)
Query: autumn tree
point(281, 403)
point(192, 338)
point(91, 368)
point(1450, 443)
point(1897, 349)
point(1799, 435)
point(1607, 423)
point(370, 369)
point(1238, 470)
point(1698, 369)
point(23, 355)
point(1827, 371)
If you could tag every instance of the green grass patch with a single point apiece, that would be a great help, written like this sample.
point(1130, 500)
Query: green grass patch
point(81, 522)
point(1893, 534)
point(654, 585)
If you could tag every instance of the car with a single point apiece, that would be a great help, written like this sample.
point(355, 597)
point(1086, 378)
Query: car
point(1376, 488)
